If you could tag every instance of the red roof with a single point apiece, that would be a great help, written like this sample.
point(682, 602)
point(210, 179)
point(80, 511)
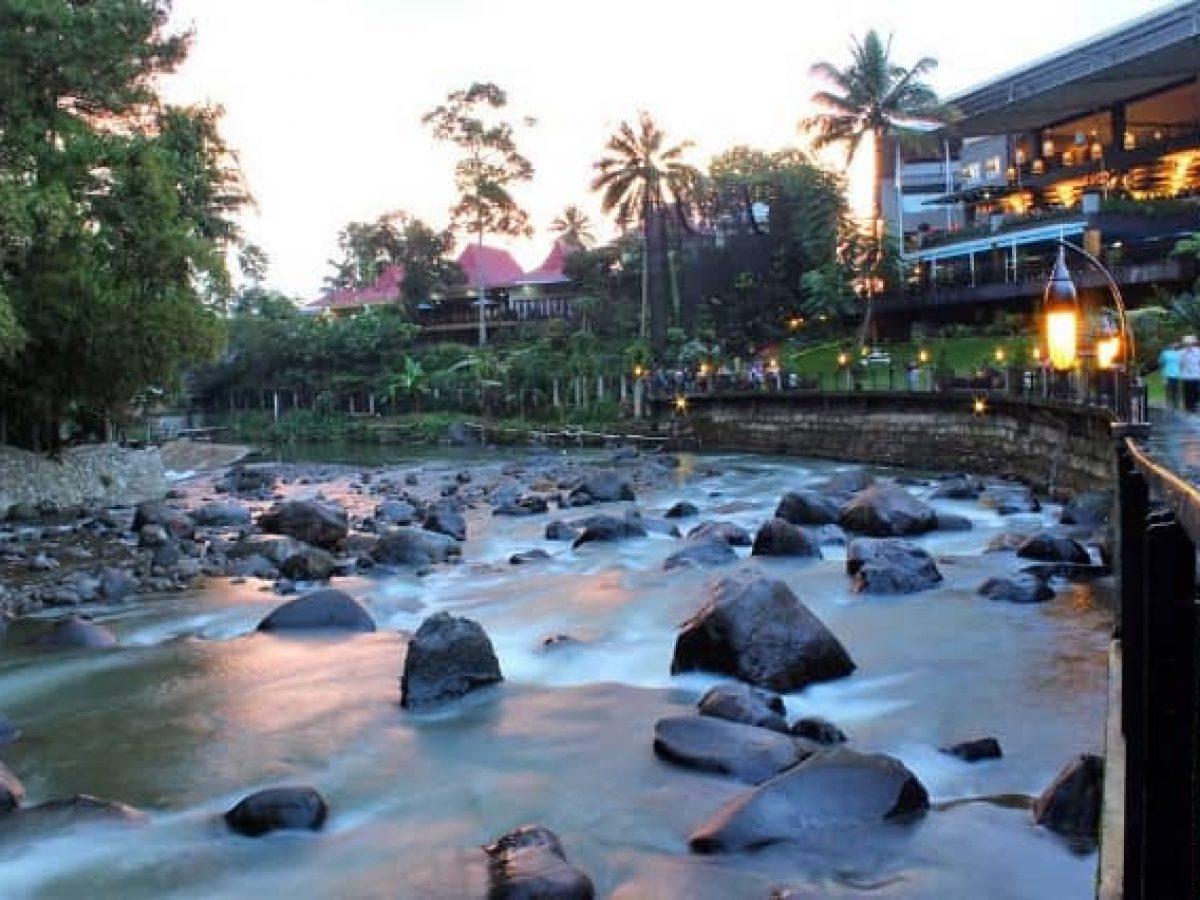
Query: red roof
point(551, 269)
point(386, 289)
point(492, 266)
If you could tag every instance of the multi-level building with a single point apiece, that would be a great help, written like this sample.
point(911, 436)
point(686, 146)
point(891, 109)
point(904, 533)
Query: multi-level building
point(1098, 144)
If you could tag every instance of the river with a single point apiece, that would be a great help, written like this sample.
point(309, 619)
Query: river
point(195, 710)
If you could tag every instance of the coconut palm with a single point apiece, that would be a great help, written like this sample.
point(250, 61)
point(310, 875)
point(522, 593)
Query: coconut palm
point(873, 96)
point(574, 229)
point(639, 180)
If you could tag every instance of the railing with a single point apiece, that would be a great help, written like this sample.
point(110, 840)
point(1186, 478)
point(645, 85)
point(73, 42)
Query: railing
point(1159, 531)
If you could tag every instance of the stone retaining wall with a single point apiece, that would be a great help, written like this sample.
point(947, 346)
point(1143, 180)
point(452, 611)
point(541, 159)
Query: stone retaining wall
point(1052, 446)
point(103, 473)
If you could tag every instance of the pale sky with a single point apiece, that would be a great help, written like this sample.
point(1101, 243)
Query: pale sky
point(323, 99)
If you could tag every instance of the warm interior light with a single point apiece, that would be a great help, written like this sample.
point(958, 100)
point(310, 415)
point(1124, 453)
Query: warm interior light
point(999, 354)
point(681, 403)
point(1038, 167)
point(979, 405)
point(923, 356)
point(1107, 351)
point(1130, 141)
point(1061, 328)
point(638, 371)
point(1047, 147)
point(843, 359)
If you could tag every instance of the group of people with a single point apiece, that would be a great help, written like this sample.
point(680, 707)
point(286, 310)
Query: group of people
point(1180, 367)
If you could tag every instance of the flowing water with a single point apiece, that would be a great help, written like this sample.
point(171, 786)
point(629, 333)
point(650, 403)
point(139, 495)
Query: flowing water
point(195, 710)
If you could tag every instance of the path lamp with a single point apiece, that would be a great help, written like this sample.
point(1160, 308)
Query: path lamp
point(1114, 353)
point(843, 361)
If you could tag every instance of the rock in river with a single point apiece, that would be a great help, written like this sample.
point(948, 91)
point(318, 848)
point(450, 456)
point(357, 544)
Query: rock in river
point(275, 809)
point(737, 702)
point(1071, 804)
point(447, 657)
point(76, 633)
point(319, 524)
point(887, 510)
point(745, 752)
point(328, 609)
point(529, 863)
point(890, 566)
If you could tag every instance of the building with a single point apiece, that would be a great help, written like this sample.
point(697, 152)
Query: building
point(512, 295)
point(1098, 144)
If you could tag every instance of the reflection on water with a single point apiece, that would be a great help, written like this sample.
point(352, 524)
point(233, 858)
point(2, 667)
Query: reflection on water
point(196, 709)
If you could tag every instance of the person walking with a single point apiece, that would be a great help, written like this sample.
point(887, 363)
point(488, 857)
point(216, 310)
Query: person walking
point(1168, 365)
point(1189, 372)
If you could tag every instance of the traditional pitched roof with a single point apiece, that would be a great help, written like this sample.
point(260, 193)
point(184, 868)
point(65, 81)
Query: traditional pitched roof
point(386, 289)
point(551, 269)
point(490, 265)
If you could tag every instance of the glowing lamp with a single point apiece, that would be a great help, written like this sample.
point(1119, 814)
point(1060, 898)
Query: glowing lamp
point(1107, 351)
point(843, 359)
point(979, 406)
point(1060, 304)
point(923, 356)
point(638, 371)
point(999, 354)
point(681, 404)
point(703, 370)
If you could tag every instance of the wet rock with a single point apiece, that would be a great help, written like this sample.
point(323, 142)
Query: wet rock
point(153, 536)
point(1071, 804)
point(975, 750)
point(890, 566)
point(68, 812)
point(561, 531)
point(1010, 499)
point(166, 555)
point(447, 657)
point(396, 512)
point(703, 554)
point(75, 633)
point(528, 556)
point(1022, 588)
point(274, 548)
point(850, 481)
point(601, 487)
point(221, 515)
point(953, 522)
point(522, 506)
point(1088, 508)
point(836, 787)
point(411, 546)
point(739, 702)
point(733, 535)
point(310, 564)
point(887, 510)
point(682, 510)
point(609, 528)
point(12, 792)
point(255, 566)
point(806, 507)
point(818, 730)
point(176, 522)
point(1054, 548)
point(1067, 571)
point(276, 809)
point(445, 517)
point(23, 512)
point(715, 745)
point(116, 584)
point(559, 642)
point(247, 481)
point(529, 863)
point(958, 487)
point(756, 629)
point(778, 538)
point(327, 609)
point(310, 521)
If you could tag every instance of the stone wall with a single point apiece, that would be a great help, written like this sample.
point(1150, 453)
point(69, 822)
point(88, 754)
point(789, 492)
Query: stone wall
point(102, 473)
point(1052, 446)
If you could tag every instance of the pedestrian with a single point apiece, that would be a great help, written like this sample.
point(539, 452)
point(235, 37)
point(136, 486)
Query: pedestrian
point(1168, 365)
point(1189, 372)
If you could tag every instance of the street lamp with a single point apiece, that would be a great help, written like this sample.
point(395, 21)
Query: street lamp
point(1115, 352)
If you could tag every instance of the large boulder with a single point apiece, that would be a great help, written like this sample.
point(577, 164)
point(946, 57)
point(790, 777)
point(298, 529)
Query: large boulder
point(529, 863)
point(221, 515)
point(319, 524)
point(806, 507)
point(836, 787)
point(1049, 547)
point(1071, 803)
point(275, 548)
point(445, 517)
point(174, 521)
point(733, 535)
point(741, 751)
point(561, 531)
point(609, 528)
point(447, 657)
point(737, 702)
point(68, 812)
point(278, 809)
point(756, 629)
point(527, 505)
point(890, 566)
point(1088, 508)
point(1020, 588)
point(779, 538)
point(327, 609)
point(887, 510)
point(601, 487)
point(958, 487)
point(408, 546)
point(850, 481)
point(310, 564)
point(396, 512)
point(702, 554)
point(75, 633)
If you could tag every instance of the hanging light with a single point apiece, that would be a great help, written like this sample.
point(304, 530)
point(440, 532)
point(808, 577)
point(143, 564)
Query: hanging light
point(1107, 351)
point(1060, 304)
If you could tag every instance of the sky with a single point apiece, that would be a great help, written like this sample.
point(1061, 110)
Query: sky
point(323, 100)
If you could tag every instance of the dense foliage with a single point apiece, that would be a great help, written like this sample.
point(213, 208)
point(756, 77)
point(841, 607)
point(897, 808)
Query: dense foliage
point(115, 215)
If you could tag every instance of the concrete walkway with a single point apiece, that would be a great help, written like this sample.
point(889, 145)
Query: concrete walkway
point(1175, 441)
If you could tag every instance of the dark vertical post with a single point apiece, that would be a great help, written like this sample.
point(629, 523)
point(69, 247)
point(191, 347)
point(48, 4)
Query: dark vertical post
point(1133, 505)
point(1171, 724)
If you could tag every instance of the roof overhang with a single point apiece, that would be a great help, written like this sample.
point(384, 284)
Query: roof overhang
point(1151, 53)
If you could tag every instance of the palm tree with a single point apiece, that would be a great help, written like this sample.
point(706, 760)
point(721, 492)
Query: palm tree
point(574, 229)
point(639, 180)
point(872, 96)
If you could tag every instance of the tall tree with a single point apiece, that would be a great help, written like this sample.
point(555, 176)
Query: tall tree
point(116, 212)
point(873, 96)
point(490, 165)
point(640, 180)
point(574, 229)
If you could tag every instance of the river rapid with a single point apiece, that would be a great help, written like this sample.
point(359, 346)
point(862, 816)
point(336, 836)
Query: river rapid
point(195, 710)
